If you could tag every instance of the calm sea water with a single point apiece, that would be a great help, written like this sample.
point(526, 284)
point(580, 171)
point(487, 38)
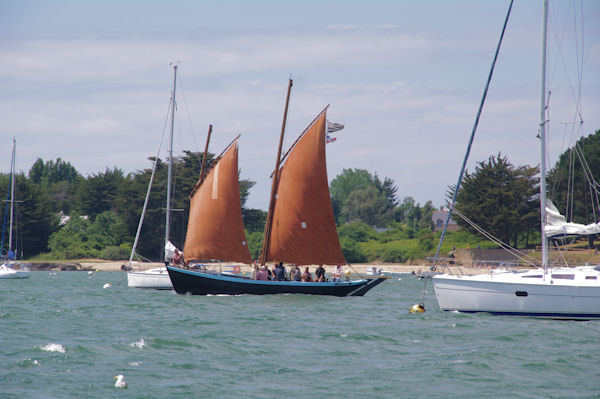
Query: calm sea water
point(65, 336)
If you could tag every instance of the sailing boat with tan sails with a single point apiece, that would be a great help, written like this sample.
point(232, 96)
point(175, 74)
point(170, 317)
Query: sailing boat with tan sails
point(300, 227)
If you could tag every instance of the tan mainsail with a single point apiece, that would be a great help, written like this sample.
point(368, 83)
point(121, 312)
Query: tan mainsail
point(215, 226)
point(303, 226)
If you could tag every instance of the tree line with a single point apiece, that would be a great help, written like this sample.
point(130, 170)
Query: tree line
point(67, 215)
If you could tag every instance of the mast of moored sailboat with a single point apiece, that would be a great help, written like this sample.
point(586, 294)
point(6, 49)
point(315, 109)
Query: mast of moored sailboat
point(12, 194)
point(268, 224)
point(169, 176)
point(543, 139)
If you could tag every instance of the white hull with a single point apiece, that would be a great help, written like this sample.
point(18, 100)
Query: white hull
point(157, 279)
point(8, 272)
point(565, 293)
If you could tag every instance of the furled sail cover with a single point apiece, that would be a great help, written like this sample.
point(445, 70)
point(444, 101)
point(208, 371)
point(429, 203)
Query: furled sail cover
point(303, 229)
point(556, 224)
point(215, 227)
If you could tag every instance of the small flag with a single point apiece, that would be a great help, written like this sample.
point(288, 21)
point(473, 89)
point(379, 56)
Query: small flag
point(334, 127)
point(330, 139)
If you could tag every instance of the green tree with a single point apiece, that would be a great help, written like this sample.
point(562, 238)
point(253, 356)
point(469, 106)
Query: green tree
point(366, 205)
point(58, 179)
point(356, 195)
point(33, 220)
point(99, 192)
point(80, 238)
point(351, 250)
point(573, 182)
point(72, 240)
point(52, 172)
point(415, 216)
point(254, 219)
point(345, 183)
point(254, 240)
point(500, 198)
point(359, 232)
point(108, 229)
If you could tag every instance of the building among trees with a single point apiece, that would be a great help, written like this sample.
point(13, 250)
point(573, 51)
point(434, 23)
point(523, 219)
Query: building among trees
point(439, 218)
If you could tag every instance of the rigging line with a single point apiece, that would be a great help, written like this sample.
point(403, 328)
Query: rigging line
point(495, 240)
point(590, 179)
point(570, 187)
point(561, 58)
point(141, 222)
point(560, 253)
point(579, 59)
point(587, 171)
point(187, 110)
point(460, 176)
point(143, 258)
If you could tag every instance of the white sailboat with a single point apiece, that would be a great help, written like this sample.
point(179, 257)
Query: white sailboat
point(550, 292)
point(10, 269)
point(156, 278)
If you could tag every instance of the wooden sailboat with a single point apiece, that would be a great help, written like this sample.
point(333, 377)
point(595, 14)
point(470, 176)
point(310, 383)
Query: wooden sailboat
point(300, 227)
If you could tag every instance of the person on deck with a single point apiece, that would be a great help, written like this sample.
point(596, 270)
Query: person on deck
point(320, 274)
point(177, 256)
point(295, 274)
point(306, 276)
point(254, 275)
point(262, 273)
point(337, 273)
point(279, 272)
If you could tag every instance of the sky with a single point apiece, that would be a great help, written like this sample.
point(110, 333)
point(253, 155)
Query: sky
point(90, 82)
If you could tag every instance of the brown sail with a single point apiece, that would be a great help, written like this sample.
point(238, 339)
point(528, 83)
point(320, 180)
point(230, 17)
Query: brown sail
point(303, 226)
point(215, 226)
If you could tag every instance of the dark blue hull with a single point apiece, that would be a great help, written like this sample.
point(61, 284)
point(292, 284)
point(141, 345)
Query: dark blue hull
point(205, 283)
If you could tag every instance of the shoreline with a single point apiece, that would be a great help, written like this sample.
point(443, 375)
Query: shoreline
point(119, 266)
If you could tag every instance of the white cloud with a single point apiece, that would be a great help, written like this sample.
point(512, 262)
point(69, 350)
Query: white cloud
point(408, 99)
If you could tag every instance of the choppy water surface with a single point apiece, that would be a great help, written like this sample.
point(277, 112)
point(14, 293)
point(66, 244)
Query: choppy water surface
point(65, 336)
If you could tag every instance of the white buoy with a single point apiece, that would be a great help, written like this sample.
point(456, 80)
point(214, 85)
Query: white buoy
point(90, 272)
point(120, 383)
point(107, 285)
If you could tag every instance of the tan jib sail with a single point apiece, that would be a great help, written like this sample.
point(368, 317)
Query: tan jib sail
point(303, 226)
point(215, 227)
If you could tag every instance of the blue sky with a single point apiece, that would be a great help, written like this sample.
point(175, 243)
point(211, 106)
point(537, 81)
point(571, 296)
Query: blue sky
point(90, 82)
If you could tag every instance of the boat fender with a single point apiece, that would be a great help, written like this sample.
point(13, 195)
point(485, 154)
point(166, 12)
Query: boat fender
point(417, 308)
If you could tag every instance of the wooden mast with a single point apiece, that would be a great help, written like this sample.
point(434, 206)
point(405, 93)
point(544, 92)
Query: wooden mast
point(205, 151)
point(268, 224)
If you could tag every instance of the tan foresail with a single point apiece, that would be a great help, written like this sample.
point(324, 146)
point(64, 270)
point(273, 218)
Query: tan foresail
point(303, 227)
point(215, 226)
